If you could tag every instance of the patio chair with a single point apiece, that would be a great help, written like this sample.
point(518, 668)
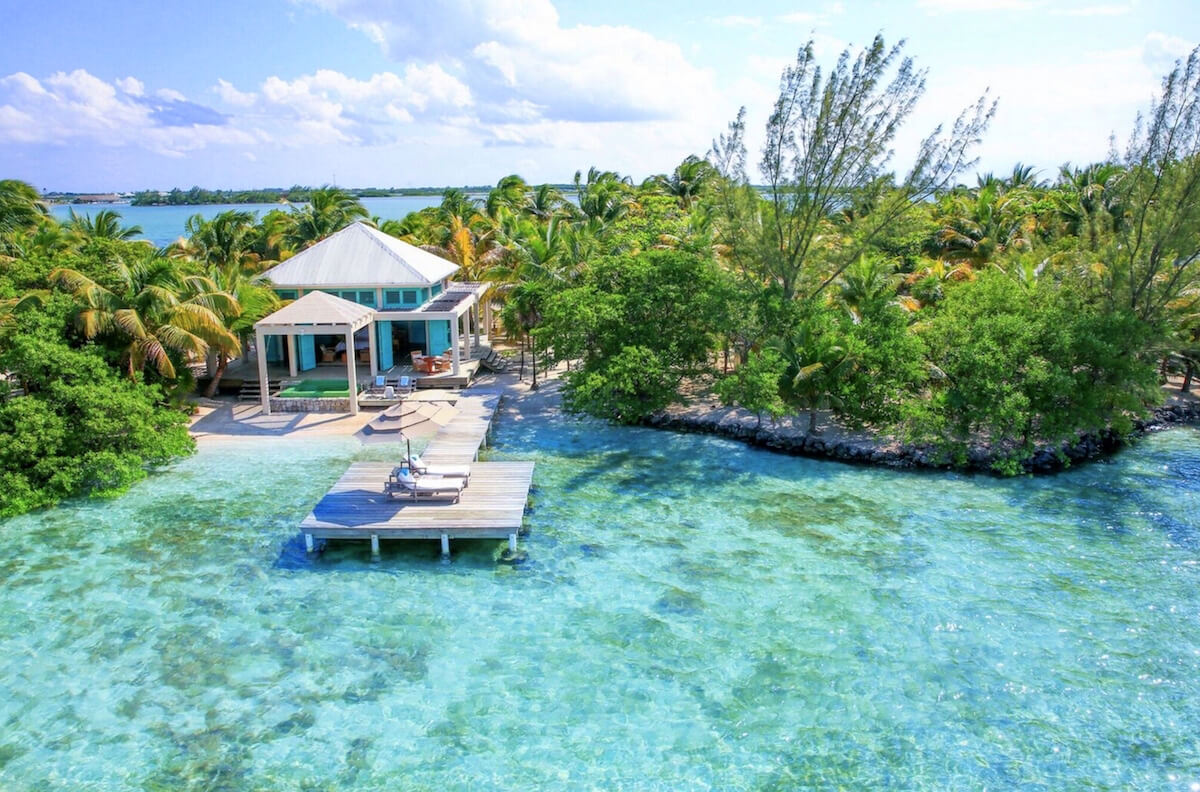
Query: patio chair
point(422, 364)
point(403, 483)
point(445, 471)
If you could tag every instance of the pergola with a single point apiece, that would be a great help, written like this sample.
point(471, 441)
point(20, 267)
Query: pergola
point(316, 313)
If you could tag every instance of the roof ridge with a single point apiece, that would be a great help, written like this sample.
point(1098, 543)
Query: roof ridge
point(375, 237)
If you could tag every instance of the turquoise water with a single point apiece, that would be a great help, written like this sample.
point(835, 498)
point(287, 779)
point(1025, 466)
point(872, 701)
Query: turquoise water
point(164, 224)
point(693, 614)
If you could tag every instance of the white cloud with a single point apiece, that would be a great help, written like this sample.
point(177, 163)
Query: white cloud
point(518, 50)
point(1161, 50)
point(131, 85)
point(232, 96)
point(67, 107)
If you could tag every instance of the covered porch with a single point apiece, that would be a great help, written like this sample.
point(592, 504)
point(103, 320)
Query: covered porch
point(313, 314)
point(366, 344)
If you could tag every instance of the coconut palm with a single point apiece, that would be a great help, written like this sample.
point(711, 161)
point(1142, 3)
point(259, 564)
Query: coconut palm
point(686, 182)
point(226, 240)
point(105, 224)
point(254, 300)
point(1089, 200)
point(329, 209)
point(985, 222)
point(476, 254)
point(155, 312)
point(21, 207)
point(222, 248)
point(545, 201)
point(604, 196)
point(510, 194)
point(867, 280)
point(457, 203)
point(817, 363)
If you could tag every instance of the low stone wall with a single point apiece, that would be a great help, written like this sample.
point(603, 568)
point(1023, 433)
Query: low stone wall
point(325, 405)
point(865, 449)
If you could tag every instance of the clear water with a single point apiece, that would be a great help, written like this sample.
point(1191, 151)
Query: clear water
point(693, 614)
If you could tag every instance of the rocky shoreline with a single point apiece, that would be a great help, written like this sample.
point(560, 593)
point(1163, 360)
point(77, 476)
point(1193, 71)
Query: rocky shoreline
point(865, 448)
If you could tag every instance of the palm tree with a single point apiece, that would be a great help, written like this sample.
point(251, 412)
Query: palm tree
point(1023, 177)
point(985, 222)
point(1089, 201)
point(510, 194)
point(21, 207)
point(867, 280)
point(475, 254)
point(522, 313)
point(225, 240)
point(604, 196)
point(457, 203)
point(687, 181)
point(155, 311)
point(105, 224)
point(817, 362)
point(253, 300)
point(545, 202)
point(222, 247)
point(329, 209)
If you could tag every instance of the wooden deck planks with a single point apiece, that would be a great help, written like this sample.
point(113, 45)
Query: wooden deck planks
point(492, 506)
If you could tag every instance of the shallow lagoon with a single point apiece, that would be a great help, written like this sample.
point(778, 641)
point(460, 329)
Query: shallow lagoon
point(693, 614)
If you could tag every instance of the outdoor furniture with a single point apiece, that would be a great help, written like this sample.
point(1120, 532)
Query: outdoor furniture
point(402, 482)
point(403, 386)
point(327, 354)
point(445, 471)
point(422, 364)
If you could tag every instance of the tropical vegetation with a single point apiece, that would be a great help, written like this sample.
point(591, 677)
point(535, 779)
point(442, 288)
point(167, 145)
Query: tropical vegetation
point(1020, 310)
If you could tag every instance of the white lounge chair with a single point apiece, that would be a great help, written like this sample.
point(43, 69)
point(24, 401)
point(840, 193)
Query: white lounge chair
point(446, 471)
point(402, 482)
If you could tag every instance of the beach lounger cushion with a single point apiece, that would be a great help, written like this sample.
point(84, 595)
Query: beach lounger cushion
point(448, 471)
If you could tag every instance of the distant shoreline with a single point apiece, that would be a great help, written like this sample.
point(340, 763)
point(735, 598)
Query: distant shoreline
point(267, 195)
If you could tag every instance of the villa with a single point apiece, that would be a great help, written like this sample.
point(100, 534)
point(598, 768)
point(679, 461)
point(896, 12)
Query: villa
point(362, 297)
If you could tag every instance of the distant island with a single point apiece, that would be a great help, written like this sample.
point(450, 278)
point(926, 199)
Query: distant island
point(295, 194)
point(197, 196)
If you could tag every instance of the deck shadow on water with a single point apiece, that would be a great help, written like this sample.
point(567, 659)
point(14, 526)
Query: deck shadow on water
point(354, 555)
point(341, 507)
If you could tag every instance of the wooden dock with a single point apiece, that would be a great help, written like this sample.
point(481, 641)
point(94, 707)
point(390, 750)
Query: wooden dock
point(492, 506)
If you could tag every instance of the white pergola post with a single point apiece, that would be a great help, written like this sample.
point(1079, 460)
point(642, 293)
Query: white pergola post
point(454, 353)
point(291, 342)
point(351, 374)
point(487, 319)
point(264, 384)
point(466, 323)
point(475, 317)
point(372, 347)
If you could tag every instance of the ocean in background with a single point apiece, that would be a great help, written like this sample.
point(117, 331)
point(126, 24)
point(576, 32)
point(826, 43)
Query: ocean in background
point(162, 225)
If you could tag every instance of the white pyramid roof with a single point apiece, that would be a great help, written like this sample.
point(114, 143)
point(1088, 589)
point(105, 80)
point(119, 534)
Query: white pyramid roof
point(319, 308)
point(360, 255)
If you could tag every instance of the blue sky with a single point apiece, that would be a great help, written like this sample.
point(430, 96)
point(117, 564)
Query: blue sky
point(135, 95)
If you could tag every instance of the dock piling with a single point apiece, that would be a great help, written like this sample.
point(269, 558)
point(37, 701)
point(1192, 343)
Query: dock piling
point(445, 545)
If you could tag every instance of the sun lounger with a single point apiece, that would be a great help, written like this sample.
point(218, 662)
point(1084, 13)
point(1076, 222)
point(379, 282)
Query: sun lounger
point(402, 482)
point(446, 471)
